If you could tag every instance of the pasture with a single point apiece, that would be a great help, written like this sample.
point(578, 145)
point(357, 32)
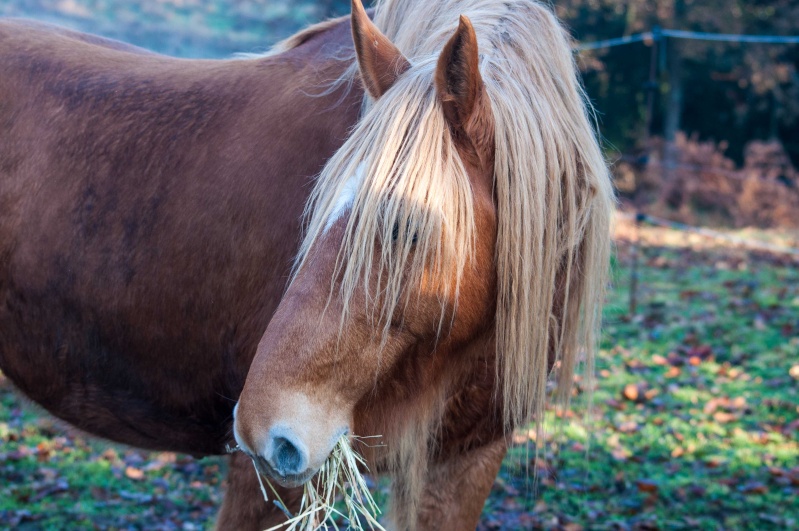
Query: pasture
point(694, 423)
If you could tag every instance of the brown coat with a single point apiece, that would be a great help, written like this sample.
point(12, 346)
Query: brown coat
point(150, 209)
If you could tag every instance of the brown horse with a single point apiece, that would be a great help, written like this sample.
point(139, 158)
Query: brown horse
point(455, 246)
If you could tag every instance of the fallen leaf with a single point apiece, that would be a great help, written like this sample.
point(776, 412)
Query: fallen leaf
point(134, 473)
point(110, 455)
point(646, 485)
point(620, 454)
point(615, 404)
point(711, 406)
point(657, 359)
point(777, 472)
point(628, 427)
point(754, 487)
point(630, 392)
point(722, 417)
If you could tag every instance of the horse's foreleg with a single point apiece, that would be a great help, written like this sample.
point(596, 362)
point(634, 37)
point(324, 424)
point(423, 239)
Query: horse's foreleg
point(244, 508)
point(456, 489)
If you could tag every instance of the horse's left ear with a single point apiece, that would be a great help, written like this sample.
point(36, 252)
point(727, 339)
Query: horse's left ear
point(458, 80)
point(380, 62)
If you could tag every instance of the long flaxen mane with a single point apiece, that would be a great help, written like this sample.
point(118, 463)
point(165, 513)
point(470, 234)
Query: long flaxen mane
point(552, 191)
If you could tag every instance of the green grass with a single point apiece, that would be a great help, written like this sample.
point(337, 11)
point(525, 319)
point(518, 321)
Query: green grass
point(710, 442)
point(52, 477)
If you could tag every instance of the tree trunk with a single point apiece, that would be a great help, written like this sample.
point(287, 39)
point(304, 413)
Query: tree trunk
point(675, 97)
point(672, 189)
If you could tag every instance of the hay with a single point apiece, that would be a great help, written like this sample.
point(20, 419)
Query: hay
point(339, 476)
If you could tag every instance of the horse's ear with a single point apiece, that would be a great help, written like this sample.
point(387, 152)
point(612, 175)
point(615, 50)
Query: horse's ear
point(458, 80)
point(380, 62)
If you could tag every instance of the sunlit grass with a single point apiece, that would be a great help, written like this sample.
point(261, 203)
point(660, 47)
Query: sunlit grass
point(709, 443)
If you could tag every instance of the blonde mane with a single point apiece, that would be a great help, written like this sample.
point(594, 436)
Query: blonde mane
point(552, 191)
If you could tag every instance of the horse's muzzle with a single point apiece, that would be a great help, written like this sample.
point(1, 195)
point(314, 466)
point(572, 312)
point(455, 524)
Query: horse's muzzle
point(285, 480)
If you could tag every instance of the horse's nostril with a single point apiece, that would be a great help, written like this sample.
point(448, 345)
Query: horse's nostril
point(288, 458)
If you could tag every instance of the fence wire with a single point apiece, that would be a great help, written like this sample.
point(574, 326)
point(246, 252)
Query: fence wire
point(688, 35)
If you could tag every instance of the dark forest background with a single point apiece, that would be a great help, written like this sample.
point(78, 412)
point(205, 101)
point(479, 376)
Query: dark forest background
point(722, 114)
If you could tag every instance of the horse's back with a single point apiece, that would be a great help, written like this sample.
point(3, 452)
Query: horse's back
point(149, 211)
point(17, 27)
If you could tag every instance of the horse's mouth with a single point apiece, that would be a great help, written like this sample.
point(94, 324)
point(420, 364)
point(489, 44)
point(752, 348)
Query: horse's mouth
point(289, 481)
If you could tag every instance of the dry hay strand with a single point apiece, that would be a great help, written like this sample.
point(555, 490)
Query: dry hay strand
point(340, 476)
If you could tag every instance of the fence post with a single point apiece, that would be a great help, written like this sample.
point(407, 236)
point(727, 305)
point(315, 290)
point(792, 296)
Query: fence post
point(652, 82)
point(639, 217)
point(651, 87)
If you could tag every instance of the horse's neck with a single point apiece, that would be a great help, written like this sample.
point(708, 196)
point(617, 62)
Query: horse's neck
point(325, 52)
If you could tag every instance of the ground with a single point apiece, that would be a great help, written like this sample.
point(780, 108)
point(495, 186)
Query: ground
point(695, 417)
point(694, 422)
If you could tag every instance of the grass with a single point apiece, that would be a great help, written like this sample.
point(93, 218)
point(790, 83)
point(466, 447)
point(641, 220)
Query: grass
point(338, 493)
point(695, 422)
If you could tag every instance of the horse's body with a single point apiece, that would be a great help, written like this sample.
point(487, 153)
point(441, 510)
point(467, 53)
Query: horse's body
point(150, 210)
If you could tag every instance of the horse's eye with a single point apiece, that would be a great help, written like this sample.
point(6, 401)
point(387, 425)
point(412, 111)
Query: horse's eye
point(395, 234)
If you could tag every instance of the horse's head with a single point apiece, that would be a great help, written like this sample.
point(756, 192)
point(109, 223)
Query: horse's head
point(465, 222)
point(397, 268)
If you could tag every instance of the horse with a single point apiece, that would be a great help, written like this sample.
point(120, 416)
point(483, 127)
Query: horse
point(392, 227)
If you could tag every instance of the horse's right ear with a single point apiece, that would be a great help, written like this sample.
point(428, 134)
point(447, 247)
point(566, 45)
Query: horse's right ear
point(457, 76)
point(380, 62)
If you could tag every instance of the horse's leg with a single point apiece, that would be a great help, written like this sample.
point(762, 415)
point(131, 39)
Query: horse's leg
point(244, 508)
point(456, 489)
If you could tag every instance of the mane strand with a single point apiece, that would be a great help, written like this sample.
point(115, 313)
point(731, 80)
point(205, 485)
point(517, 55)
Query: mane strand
point(553, 196)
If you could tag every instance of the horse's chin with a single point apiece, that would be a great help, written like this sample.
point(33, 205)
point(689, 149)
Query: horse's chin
point(288, 481)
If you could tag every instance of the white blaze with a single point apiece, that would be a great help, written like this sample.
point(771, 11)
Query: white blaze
point(346, 196)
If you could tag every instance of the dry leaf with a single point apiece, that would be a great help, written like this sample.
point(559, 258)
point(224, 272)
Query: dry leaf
point(711, 406)
point(651, 393)
point(628, 427)
point(754, 487)
point(722, 417)
point(630, 392)
point(615, 404)
point(646, 485)
point(134, 473)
